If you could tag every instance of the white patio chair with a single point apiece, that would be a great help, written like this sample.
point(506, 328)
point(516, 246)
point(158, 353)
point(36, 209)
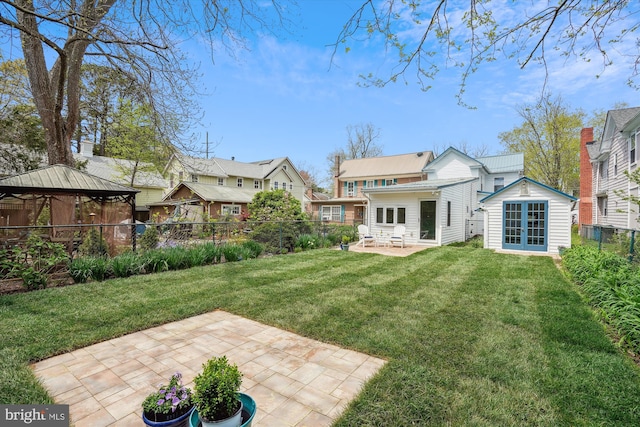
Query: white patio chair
point(397, 238)
point(365, 237)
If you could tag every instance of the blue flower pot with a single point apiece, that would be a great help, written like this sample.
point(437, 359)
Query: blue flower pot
point(181, 421)
point(249, 409)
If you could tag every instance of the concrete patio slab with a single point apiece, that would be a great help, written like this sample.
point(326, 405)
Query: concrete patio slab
point(295, 381)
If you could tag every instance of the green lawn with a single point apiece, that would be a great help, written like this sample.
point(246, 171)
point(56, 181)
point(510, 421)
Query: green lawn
point(472, 337)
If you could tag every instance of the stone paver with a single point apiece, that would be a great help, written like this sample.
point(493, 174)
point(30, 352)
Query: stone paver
point(295, 381)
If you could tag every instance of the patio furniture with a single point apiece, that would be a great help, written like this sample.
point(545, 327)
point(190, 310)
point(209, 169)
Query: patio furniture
point(397, 238)
point(365, 237)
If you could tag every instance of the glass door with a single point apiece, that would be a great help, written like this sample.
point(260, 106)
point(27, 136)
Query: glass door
point(427, 220)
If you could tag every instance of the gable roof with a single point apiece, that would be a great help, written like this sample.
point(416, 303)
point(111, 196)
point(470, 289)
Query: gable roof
point(401, 164)
point(500, 163)
point(116, 169)
point(213, 193)
point(623, 116)
point(532, 181)
point(62, 179)
point(616, 121)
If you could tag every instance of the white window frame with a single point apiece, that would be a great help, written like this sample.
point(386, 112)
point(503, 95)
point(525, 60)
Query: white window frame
point(240, 182)
point(256, 184)
point(275, 185)
point(351, 188)
point(370, 184)
point(194, 177)
point(220, 181)
point(231, 209)
point(393, 212)
point(331, 213)
point(633, 146)
point(496, 181)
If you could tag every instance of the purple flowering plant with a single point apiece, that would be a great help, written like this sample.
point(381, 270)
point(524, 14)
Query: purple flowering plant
point(170, 401)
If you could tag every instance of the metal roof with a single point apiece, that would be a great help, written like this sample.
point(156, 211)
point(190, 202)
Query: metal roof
point(503, 162)
point(62, 179)
point(427, 185)
point(402, 164)
point(118, 170)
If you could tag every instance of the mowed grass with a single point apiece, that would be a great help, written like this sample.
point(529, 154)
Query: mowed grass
point(471, 337)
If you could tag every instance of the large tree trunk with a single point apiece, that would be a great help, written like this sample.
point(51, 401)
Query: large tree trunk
point(49, 88)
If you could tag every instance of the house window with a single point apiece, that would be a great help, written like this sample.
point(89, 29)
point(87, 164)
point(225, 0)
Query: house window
point(291, 186)
point(615, 164)
point(370, 184)
point(402, 212)
point(194, 178)
point(350, 189)
point(172, 177)
point(391, 215)
point(240, 182)
point(449, 213)
point(603, 206)
point(220, 181)
point(390, 181)
point(632, 147)
point(604, 169)
point(180, 176)
point(256, 184)
point(231, 209)
point(284, 167)
point(275, 185)
point(331, 213)
point(498, 183)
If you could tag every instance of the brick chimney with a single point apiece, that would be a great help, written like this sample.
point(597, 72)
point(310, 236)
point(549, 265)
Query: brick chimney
point(585, 213)
point(336, 177)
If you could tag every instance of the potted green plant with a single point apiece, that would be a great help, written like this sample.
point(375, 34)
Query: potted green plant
point(217, 394)
point(170, 406)
point(345, 243)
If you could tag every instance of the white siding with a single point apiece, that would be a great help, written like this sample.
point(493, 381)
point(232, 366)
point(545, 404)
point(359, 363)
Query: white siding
point(461, 202)
point(453, 166)
point(558, 216)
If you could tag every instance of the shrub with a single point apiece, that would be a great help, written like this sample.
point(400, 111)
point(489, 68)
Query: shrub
point(234, 253)
point(253, 248)
point(150, 238)
point(89, 268)
point(276, 235)
point(216, 389)
point(155, 261)
point(308, 241)
point(127, 264)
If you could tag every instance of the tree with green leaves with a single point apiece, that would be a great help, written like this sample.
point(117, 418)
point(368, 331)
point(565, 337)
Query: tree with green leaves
point(275, 205)
point(549, 137)
point(23, 145)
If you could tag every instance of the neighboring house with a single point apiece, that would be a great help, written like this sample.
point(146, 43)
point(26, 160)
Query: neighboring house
point(443, 207)
point(614, 153)
point(147, 179)
point(224, 187)
point(527, 216)
point(353, 177)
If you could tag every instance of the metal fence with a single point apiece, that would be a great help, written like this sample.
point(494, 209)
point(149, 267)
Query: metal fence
point(277, 236)
point(622, 241)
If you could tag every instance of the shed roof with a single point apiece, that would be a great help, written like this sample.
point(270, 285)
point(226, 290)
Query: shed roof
point(62, 179)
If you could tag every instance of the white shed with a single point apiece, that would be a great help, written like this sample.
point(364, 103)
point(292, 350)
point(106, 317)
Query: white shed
point(527, 216)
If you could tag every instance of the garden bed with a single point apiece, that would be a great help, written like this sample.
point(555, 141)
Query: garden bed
point(14, 286)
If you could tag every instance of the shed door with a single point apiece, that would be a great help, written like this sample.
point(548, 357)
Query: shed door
point(525, 226)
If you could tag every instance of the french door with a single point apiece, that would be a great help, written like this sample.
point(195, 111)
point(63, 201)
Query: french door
point(525, 226)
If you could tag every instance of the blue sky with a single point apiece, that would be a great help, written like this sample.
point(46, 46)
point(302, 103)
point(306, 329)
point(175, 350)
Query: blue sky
point(284, 97)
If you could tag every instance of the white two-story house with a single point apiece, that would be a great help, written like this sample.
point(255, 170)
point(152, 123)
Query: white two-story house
point(443, 208)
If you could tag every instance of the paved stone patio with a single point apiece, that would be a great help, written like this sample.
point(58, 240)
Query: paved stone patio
point(295, 381)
